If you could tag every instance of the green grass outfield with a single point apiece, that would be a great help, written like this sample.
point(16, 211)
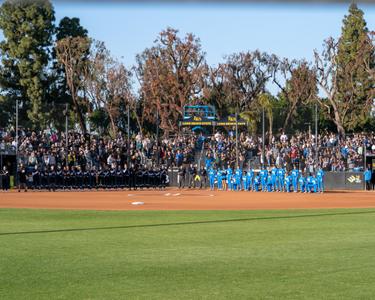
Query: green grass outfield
point(295, 254)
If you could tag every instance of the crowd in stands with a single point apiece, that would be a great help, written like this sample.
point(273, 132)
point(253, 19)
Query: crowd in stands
point(49, 148)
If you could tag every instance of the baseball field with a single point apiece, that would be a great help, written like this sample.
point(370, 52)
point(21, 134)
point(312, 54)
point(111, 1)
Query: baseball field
point(187, 245)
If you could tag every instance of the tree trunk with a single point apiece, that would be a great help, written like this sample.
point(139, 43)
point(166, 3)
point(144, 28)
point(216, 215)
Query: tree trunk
point(270, 124)
point(337, 121)
point(139, 123)
point(113, 125)
point(288, 116)
point(80, 116)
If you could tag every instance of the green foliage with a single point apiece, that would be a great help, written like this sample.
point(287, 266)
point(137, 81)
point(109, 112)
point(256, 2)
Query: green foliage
point(294, 254)
point(354, 84)
point(252, 118)
point(70, 27)
point(279, 111)
point(99, 120)
point(28, 28)
point(174, 72)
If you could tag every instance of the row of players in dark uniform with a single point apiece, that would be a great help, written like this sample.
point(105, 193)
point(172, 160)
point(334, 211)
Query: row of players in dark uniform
point(102, 178)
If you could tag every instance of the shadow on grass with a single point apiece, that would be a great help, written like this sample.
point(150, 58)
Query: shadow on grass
point(187, 223)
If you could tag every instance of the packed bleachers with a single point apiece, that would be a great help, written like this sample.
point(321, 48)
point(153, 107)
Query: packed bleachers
point(48, 148)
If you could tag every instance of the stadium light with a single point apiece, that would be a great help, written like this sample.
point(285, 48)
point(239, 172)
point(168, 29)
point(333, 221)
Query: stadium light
point(66, 134)
point(237, 138)
point(128, 146)
point(16, 181)
point(157, 137)
point(263, 136)
point(316, 135)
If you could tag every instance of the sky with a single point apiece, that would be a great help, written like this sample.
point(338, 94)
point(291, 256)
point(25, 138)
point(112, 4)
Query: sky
point(290, 30)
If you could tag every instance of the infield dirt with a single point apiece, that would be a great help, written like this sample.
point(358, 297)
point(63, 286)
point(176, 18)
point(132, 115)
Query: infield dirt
point(174, 199)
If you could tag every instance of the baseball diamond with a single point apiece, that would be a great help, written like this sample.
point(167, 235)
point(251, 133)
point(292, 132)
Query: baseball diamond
point(187, 150)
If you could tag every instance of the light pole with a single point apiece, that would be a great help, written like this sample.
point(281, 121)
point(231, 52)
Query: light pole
point(157, 137)
point(364, 155)
point(237, 139)
point(16, 182)
point(66, 134)
point(128, 147)
point(263, 136)
point(316, 134)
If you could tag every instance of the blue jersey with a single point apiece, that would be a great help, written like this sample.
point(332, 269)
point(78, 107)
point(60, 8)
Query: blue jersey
point(244, 178)
point(302, 181)
point(320, 175)
point(295, 174)
point(367, 175)
point(274, 172)
point(212, 174)
point(264, 174)
point(209, 162)
point(229, 174)
point(288, 180)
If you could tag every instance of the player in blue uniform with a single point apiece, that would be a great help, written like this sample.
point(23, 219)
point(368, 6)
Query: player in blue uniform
point(295, 175)
point(281, 179)
point(270, 184)
point(257, 182)
point(288, 183)
point(367, 176)
point(211, 176)
point(244, 181)
point(263, 178)
point(249, 179)
point(219, 180)
point(302, 183)
point(229, 178)
point(311, 184)
point(274, 173)
point(238, 179)
point(320, 180)
point(251, 176)
point(233, 182)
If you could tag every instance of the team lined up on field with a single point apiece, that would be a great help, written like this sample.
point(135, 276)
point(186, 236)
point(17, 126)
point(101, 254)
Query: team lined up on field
point(275, 180)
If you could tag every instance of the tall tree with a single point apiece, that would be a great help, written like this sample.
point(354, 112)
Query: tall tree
point(267, 102)
point(70, 27)
point(214, 91)
point(59, 92)
point(355, 85)
point(344, 73)
point(300, 89)
point(70, 51)
point(245, 77)
point(25, 52)
point(108, 83)
point(170, 75)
